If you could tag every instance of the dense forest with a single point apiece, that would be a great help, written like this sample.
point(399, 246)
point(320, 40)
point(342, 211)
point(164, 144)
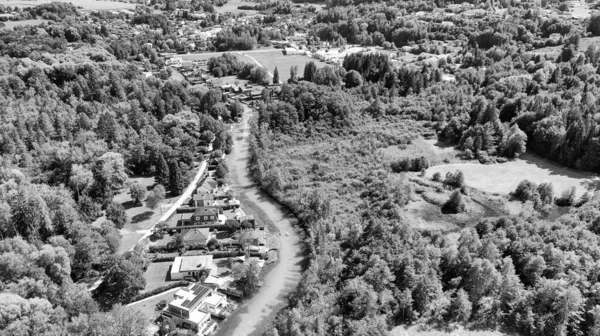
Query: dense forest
point(77, 120)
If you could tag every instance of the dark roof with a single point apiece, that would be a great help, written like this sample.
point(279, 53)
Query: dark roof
point(200, 291)
point(206, 212)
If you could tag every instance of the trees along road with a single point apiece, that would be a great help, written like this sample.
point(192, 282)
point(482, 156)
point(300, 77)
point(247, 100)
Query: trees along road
point(253, 315)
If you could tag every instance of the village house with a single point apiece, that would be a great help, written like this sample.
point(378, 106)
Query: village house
point(197, 236)
point(204, 216)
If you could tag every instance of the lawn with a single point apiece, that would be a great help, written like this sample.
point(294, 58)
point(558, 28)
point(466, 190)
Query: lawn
point(84, 4)
point(139, 217)
point(157, 275)
point(148, 306)
point(503, 178)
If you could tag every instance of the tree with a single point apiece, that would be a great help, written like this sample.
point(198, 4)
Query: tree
point(115, 212)
point(309, 71)
point(156, 196)
point(455, 203)
point(293, 74)
point(221, 170)
point(138, 192)
point(30, 216)
point(124, 280)
point(81, 178)
point(232, 225)
point(163, 171)
point(461, 307)
point(353, 79)
point(245, 277)
point(176, 180)
point(517, 142)
point(567, 198)
point(276, 76)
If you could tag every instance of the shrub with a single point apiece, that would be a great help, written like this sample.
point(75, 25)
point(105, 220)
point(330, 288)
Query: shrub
point(455, 203)
point(159, 290)
point(437, 177)
point(567, 198)
point(455, 180)
point(526, 190)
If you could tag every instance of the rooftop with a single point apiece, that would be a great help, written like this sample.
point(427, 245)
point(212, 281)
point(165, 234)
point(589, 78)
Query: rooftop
point(194, 263)
point(201, 234)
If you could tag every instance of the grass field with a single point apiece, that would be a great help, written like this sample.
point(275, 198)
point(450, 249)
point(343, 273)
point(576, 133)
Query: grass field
point(503, 178)
point(13, 24)
point(84, 4)
point(232, 7)
point(271, 59)
point(415, 331)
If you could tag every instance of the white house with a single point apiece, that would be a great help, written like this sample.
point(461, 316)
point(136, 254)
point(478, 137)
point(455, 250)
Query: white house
point(190, 266)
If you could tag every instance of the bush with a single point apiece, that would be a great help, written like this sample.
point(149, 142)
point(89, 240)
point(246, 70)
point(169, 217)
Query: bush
point(455, 203)
point(159, 290)
point(567, 198)
point(437, 177)
point(526, 190)
point(415, 165)
point(455, 180)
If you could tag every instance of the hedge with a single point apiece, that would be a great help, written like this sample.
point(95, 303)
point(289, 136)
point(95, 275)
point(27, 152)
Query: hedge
point(159, 290)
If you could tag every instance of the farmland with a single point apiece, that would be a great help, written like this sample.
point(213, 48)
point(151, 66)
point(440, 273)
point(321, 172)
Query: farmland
point(86, 5)
point(13, 24)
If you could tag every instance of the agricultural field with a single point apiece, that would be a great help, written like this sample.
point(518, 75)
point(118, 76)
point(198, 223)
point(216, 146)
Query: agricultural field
point(85, 5)
point(503, 178)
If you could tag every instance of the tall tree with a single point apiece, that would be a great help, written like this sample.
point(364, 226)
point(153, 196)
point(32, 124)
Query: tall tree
point(309, 71)
point(162, 170)
point(115, 212)
point(276, 76)
point(176, 181)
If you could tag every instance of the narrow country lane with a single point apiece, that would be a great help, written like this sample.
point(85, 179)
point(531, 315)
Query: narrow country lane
point(253, 315)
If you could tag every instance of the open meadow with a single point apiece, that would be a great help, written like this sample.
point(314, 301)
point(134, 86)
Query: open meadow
point(232, 7)
point(503, 178)
point(13, 24)
point(85, 5)
point(275, 58)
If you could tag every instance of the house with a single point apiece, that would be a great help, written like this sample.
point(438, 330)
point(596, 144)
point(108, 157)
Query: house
point(203, 199)
point(190, 266)
point(197, 236)
point(193, 306)
point(204, 216)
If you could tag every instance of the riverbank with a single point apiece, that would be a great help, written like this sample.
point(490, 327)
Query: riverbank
point(255, 313)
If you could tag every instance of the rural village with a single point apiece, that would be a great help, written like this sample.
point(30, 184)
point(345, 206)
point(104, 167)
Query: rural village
point(348, 167)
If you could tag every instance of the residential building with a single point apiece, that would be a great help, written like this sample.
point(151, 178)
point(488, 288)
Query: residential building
point(204, 216)
point(191, 266)
point(203, 199)
point(193, 306)
point(197, 236)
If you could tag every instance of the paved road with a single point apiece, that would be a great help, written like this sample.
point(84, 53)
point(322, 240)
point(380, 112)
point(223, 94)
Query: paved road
point(254, 314)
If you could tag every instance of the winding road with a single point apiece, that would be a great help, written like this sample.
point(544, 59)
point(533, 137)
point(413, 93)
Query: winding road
point(253, 315)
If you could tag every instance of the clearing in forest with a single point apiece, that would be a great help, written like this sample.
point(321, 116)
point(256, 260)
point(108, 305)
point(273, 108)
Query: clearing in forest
point(503, 178)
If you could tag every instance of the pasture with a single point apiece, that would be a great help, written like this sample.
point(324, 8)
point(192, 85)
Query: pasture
point(503, 178)
point(86, 5)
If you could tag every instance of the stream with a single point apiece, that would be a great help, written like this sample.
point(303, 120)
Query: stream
point(254, 314)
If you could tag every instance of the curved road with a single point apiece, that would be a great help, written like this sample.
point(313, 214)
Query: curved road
point(253, 315)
